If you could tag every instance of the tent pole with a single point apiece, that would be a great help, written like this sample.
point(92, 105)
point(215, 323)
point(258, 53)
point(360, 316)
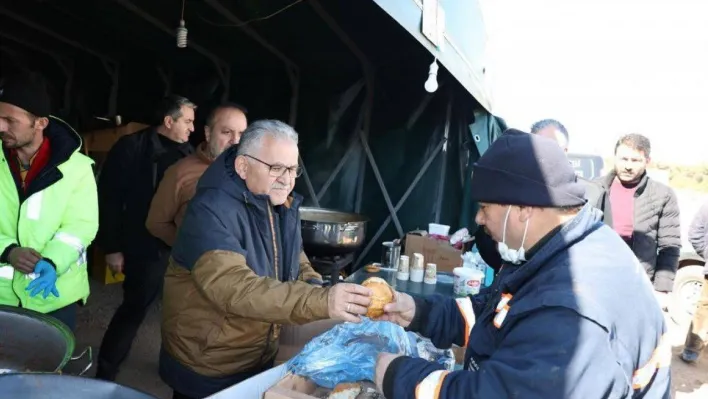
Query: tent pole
point(113, 70)
point(166, 80)
point(464, 153)
point(418, 111)
point(342, 161)
point(443, 168)
point(369, 77)
point(400, 203)
point(294, 77)
point(382, 186)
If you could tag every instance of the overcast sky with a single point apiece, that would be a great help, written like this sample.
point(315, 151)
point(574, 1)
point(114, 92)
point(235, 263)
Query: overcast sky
point(604, 68)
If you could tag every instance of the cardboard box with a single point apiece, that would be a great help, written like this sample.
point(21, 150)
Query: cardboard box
point(293, 387)
point(254, 387)
point(441, 253)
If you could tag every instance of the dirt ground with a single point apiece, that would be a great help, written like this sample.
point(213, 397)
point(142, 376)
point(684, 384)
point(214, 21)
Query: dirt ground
point(140, 369)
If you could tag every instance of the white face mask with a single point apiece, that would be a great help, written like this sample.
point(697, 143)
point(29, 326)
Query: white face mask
point(514, 256)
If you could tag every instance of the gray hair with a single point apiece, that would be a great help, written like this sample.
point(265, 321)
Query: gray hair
point(172, 106)
point(252, 137)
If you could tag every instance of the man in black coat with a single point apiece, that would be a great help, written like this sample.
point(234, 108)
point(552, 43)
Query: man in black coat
point(128, 180)
point(645, 213)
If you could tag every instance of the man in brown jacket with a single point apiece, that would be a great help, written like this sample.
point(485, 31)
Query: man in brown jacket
point(237, 271)
point(223, 129)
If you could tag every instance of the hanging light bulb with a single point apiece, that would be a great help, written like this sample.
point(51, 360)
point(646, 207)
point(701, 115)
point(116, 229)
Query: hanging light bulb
point(181, 35)
point(432, 83)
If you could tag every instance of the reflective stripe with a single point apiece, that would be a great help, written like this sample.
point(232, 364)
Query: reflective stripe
point(7, 272)
point(75, 242)
point(465, 306)
point(34, 206)
point(502, 310)
point(503, 302)
point(430, 387)
point(660, 358)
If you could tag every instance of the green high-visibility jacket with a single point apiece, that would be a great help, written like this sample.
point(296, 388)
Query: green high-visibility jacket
point(57, 215)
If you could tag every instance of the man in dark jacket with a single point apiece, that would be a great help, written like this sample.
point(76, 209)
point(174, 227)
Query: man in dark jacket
point(559, 321)
point(128, 180)
point(237, 271)
point(698, 333)
point(645, 213)
point(594, 192)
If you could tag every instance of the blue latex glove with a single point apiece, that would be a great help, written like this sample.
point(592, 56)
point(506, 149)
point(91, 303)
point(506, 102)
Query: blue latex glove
point(47, 280)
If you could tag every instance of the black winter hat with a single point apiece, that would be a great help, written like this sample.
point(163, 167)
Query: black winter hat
point(27, 91)
point(526, 169)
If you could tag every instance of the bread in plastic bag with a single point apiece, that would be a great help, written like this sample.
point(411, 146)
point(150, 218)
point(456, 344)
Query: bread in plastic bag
point(348, 352)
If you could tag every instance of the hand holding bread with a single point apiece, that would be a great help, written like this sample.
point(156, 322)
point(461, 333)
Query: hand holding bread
point(387, 304)
point(347, 301)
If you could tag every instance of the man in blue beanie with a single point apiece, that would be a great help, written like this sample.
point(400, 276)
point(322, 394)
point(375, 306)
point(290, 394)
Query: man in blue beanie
point(570, 314)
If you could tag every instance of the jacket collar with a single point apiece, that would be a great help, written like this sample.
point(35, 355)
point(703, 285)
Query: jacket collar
point(64, 143)
point(607, 182)
point(586, 221)
point(202, 153)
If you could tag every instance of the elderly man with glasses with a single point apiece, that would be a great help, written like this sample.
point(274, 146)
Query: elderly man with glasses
point(237, 271)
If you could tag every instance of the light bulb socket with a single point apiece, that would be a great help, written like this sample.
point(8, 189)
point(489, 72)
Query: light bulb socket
point(181, 35)
point(433, 68)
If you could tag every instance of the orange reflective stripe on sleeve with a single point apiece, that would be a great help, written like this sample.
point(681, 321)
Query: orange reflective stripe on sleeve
point(661, 357)
point(502, 310)
point(430, 387)
point(465, 306)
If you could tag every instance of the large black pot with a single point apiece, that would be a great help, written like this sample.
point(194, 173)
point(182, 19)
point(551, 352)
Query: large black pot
point(56, 386)
point(326, 232)
point(34, 342)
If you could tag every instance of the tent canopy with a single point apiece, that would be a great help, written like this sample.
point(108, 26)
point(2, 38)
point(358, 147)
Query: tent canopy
point(347, 76)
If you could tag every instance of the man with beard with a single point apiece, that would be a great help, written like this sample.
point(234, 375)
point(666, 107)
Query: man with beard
point(128, 180)
point(223, 129)
point(48, 205)
point(645, 213)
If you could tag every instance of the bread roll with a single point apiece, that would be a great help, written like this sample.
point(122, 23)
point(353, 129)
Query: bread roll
point(382, 293)
point(345, 391)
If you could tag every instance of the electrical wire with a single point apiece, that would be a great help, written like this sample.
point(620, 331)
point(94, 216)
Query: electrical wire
point(251, 20)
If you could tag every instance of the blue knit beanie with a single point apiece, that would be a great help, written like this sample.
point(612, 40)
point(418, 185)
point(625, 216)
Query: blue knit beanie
point(526, 169)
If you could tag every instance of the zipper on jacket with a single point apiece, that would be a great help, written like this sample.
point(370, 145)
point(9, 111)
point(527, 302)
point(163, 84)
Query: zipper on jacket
point(272, 327)
point(275, 245)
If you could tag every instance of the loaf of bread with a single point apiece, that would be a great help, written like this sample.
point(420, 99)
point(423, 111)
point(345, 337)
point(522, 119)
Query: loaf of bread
point(382, 294)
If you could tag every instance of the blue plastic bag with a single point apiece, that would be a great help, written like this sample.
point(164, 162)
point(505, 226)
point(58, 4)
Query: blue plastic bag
point(348, 352)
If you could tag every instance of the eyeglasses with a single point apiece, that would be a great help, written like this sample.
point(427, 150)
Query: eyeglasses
point(279, 170)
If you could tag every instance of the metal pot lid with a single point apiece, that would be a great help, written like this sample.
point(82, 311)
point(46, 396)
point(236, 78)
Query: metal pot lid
point(32, 341)
point(323, 215)
point(56, 386)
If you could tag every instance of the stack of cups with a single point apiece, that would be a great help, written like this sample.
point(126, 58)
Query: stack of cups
point(431, 274)
point(416, 268)
point(403, 273)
